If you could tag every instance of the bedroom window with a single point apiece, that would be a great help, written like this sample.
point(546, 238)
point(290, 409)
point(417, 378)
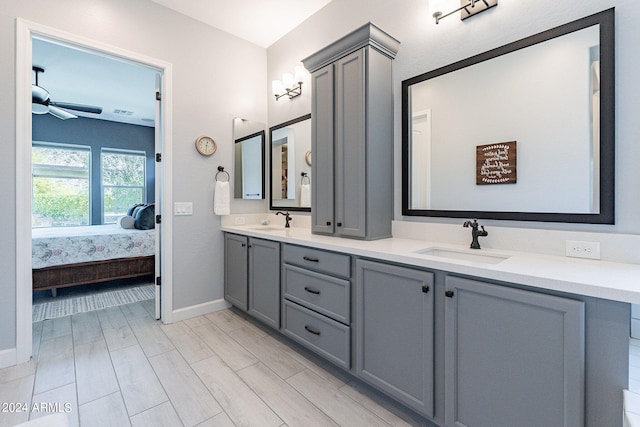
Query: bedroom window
point(123, 182)
point(61, 194)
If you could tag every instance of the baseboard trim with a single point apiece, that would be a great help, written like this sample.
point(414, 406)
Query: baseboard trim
point(199, 310)
point(8, 357)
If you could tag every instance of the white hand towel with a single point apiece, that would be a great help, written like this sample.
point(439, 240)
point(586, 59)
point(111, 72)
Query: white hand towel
point(305, 195)
point(221, 203)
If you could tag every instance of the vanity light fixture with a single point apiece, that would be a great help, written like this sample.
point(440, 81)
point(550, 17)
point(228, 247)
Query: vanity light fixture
point(286, 86)
point(467, 9)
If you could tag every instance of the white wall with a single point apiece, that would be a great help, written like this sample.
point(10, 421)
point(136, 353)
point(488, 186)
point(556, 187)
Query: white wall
point(425, 46)
point(216, 77)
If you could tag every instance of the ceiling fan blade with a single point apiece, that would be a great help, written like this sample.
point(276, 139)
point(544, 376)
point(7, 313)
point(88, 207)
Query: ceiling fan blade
point(60, 113)
point(77, 107)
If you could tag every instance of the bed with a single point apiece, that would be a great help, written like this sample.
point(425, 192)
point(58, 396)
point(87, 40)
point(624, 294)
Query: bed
point(71, 256)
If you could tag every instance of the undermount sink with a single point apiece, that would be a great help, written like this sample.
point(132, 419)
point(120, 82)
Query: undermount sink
point(463, 255)
point(266, 228)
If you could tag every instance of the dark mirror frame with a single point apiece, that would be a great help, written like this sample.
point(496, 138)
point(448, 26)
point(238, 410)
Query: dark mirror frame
point(271, 130)
point(262, 135)
point(606, 214)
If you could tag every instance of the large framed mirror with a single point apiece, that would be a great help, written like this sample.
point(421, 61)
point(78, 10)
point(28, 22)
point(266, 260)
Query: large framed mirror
point(249, 156)
point(290, 161)
point(522, 132)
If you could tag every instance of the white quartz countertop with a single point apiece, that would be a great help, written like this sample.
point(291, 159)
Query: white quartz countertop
point(600, 279)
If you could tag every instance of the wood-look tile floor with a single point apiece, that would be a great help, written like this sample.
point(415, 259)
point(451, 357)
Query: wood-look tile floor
point(120, 367)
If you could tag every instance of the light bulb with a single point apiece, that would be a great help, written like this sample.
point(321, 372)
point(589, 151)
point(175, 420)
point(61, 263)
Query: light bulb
point(287, 80)
point(300, 73)
point(277, 87)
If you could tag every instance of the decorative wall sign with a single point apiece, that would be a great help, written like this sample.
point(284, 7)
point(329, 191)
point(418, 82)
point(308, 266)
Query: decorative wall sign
point(496, 163)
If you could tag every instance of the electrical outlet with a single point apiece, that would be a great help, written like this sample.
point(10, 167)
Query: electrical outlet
point(239, 220)
point(578, 249)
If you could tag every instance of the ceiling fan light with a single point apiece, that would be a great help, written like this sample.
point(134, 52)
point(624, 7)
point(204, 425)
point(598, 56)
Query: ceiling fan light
point(39, 108)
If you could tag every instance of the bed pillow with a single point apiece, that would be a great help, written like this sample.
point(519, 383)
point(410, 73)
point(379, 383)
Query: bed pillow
point(145, 217)
point(132, 208)
point(126, 222)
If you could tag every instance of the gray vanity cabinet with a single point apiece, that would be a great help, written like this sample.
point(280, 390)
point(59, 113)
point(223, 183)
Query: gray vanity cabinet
point(512, 357)
point(264, 281)
point(316, 292)
point(395, 332)
point(352, 135)
point(236, 274)
point(252, 277)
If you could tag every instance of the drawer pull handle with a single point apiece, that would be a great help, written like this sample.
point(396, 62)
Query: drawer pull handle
point(311, 330)
point(308, 258)
point(311, 290)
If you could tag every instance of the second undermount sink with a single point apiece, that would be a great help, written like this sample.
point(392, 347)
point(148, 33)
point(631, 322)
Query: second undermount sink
point(463, 255)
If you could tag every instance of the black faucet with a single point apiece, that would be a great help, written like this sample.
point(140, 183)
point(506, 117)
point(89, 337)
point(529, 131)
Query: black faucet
point(287, 218)
point(475, 233)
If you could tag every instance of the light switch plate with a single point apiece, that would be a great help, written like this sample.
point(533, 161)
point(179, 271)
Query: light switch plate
point(183, 208)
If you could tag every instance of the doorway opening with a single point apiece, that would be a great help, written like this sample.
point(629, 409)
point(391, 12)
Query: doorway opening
point(107, 162)
point(93, 164)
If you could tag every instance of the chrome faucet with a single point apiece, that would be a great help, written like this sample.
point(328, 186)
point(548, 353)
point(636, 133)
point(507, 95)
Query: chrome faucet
point(287, 218)
point(475, 233)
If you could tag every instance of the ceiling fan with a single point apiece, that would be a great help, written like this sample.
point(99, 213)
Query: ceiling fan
point(41, 103)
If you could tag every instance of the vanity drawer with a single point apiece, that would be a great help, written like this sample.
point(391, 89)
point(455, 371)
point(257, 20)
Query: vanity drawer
point(325, 294)
point(327, 337)
point(317, 259)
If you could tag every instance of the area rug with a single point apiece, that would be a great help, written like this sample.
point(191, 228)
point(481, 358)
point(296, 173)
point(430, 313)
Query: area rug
point(80, 304)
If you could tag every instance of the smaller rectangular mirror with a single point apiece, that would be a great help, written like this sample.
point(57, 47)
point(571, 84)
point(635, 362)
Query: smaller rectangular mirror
point(248, 171)
point(290, 159)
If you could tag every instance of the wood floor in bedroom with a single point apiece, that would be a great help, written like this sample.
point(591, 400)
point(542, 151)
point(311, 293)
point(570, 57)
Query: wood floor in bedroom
point(118, 367)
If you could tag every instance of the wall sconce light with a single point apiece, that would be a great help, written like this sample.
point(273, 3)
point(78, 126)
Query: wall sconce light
point(286, 86)
point(467, 9)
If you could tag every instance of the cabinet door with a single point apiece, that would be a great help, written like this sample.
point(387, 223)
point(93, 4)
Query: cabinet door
point(322, 143)
point(394, 325)
point(235, 270)
point(264, 281)
point(350, 145)
point(512, 357)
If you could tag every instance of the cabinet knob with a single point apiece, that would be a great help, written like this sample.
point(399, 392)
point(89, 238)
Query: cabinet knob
point(339, 224)
point(328, 223)
point(448, 294)
point(243, 245)
point(425, 289)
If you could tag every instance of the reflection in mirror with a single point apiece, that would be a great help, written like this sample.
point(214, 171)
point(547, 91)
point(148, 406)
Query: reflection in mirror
point(248, 159)
point(290, 177)
point(522, 132)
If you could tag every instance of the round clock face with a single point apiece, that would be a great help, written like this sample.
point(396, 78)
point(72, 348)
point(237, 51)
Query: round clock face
point(206, 145)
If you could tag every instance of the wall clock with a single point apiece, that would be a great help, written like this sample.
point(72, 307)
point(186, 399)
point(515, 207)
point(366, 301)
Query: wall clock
point(206, 145)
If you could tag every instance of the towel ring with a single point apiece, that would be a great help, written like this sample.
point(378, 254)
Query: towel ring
point(221, 170)
point(304, 175)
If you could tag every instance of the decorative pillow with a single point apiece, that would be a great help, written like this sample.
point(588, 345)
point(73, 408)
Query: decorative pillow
point(145, 217)
point(126, 222)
